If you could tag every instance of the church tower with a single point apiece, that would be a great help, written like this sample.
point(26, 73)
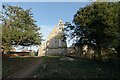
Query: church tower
point(56, 43)
point(60, 26)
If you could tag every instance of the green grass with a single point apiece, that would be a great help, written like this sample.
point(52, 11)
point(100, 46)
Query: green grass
point(12, 65)
point(52, 67)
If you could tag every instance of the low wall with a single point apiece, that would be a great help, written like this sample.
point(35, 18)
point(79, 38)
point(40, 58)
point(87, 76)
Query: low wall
point(60, 51)
point(16, 54)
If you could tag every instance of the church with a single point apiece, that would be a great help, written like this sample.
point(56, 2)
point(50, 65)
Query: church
point(55, 43)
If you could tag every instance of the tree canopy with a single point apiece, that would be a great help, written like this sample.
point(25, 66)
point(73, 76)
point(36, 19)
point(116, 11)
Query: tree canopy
point(97, 24)
point(18, 27)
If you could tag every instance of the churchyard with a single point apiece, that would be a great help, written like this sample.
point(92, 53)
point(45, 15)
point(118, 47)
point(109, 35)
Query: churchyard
point(64, 67)
point(53, 67)
point(93, 34)
point(12, 65)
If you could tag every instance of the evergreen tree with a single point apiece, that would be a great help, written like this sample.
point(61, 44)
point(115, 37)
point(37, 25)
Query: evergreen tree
point(99, 24)
point(18, 27)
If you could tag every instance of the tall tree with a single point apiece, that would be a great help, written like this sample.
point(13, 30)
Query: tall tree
point(18, 27)
point(118, 8)
point(98, 23)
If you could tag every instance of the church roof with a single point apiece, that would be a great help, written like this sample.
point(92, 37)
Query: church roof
point(53, 33)
point(55, 29)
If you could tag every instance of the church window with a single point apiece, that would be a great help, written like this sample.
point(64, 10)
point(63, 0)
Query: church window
point(59, 28)
point(60, 24)
point(55, 40)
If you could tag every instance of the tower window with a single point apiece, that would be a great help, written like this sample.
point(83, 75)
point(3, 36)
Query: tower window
point(59, 28)
point(60, 24)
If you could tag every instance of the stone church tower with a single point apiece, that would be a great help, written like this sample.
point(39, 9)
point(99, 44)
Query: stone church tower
point(56, 43)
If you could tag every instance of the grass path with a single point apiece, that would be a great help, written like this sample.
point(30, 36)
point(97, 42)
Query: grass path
point(27, 69)
point(53, 67)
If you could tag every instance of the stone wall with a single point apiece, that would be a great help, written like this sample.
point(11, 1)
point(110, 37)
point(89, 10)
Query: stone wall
point(54, 45)
point(59, 51)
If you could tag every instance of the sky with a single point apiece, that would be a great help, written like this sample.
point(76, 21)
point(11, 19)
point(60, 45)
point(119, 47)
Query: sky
point(48, 14)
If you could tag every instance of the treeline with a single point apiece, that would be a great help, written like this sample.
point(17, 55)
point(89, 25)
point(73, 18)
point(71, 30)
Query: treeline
point(97, 25)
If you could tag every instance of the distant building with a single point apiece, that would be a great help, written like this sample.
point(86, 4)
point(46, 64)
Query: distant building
point(13, 50)
point(24, 51)
point(56, 43)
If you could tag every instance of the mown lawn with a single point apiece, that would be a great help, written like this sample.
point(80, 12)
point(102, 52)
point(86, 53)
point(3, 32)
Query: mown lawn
point(52, 67)
point(12, 65)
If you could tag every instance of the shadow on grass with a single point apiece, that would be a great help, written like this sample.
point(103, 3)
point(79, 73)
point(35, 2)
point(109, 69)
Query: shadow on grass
point(53, 67)
point(12, 65)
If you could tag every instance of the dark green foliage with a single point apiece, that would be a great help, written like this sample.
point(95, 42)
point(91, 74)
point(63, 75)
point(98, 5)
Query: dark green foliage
point(97, 24)
point(19, 27)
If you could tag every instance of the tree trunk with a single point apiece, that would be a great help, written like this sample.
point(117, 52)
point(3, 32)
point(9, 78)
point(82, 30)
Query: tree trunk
point(98, 49)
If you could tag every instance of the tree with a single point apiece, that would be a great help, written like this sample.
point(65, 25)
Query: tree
point(118, 8)
point(0, 35)
point(18, 27)
point(98, 23)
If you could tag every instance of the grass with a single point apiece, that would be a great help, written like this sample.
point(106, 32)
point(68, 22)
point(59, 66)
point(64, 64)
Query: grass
point(12, 65)
point(52, 67)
